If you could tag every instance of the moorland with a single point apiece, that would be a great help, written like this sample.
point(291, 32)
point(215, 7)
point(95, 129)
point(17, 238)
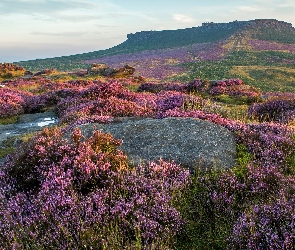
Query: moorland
point(59, 192)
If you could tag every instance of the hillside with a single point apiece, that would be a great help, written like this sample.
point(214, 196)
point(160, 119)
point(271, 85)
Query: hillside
point(141, 41)
point(261, 52)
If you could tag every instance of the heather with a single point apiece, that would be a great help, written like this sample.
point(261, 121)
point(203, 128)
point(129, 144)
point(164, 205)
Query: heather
point(75, 193)
point(282, 111)
point(12, 102)
point(61, 190)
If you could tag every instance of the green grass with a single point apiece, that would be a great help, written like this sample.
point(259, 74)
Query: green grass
point(243, 159)
point(8, 120)
point(254, 68)
point(283, 34)
point(8, 146)
point(203, 229)
point(5, 151)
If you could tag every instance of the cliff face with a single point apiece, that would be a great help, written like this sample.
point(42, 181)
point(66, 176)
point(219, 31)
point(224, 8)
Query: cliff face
point(271, 23)
point(230, 25)
point(208, 32)
point(207, 27)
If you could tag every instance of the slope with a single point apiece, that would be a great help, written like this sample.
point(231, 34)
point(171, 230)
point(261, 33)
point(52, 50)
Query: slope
point(261, 52)
point(262, 55)
point(142, 41)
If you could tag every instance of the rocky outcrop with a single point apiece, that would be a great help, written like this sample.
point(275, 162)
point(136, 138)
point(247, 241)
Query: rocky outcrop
point(102, 70)
point(45, 72)
point(99, 69)
point(188, 141)
point(9, 70)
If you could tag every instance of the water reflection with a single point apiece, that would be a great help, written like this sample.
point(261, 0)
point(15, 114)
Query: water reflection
point(47, 121)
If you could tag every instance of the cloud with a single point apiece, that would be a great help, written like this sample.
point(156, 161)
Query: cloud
point(282, 10)
point(276, 5)
point(54, 10)
point(248, 8)
point(183, 18)
point(118, 14)
point(66, 34)
point(106, 26)
point(41, 6)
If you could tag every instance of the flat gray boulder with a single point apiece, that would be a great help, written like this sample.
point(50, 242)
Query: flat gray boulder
point(187, 141)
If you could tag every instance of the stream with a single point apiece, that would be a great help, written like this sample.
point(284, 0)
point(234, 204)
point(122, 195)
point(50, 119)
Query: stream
point(26, 123)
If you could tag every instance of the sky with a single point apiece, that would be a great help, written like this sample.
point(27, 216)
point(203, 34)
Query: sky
point(36, 29)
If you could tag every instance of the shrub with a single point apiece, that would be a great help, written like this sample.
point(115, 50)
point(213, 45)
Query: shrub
point(12, 102)
point(266, 226)
point(39, 103)
point(169, 100)
point(281, 111)
point(80, 193)
point(156, 88)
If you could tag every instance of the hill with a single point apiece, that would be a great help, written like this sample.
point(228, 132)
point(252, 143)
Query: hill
point(261, 52)
point(73, 186)
point(141, 41)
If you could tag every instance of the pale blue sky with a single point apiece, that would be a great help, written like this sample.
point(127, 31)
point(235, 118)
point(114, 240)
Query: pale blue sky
point(33, 29)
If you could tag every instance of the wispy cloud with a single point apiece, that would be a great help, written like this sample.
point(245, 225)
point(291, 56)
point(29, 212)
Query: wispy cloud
point(118, 14)
point(183, 18)
point(54, 10)
point(253, 8)
point(282, 10)
point(66, 34)
point(106, 26)
point(275, 5)
point(41, 6)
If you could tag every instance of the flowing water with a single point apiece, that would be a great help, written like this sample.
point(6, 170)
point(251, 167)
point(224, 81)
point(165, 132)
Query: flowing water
point(27, 123)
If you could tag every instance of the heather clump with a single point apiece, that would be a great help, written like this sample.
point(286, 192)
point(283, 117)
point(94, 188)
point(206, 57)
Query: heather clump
point(78, 109)
point(79, 192)
point(29, 163)
point(248, 93)
point(225, 90)
point(219, 204)
point(167, 100)
point(158, 87)
point(108, 99)
point(281, 110)
point(42, 102)
point(269, 143)
point(81, 83)
point(112, 88)
point(265, 226)
point(12, 102)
